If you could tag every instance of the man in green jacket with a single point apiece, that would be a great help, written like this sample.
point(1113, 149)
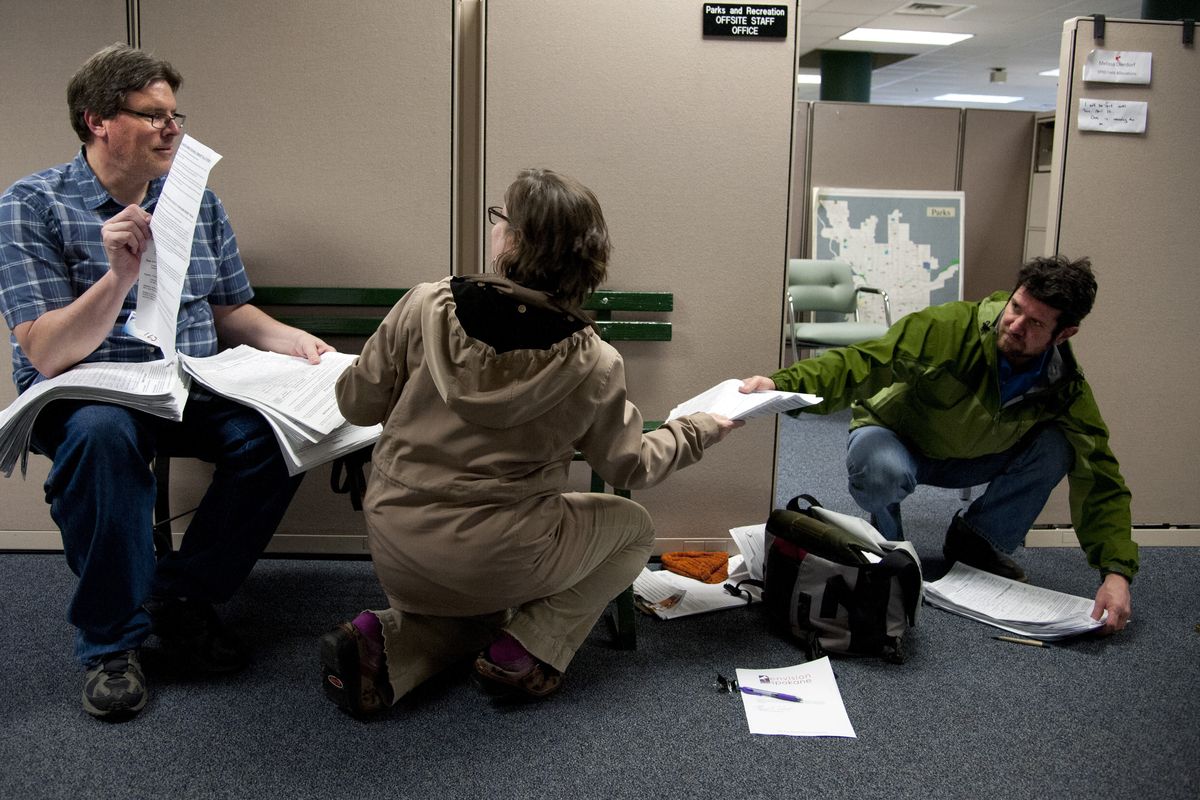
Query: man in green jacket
point(966, 393)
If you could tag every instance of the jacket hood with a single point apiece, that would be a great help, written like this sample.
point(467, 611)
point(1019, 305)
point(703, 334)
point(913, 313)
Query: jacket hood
point(501, 390)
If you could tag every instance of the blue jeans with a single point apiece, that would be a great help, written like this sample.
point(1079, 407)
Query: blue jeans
point(884, 470)
point(101, 493)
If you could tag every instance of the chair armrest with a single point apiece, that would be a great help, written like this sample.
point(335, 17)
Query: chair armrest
point(887, 305)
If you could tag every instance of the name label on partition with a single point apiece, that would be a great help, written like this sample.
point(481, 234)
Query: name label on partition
point(745, 21)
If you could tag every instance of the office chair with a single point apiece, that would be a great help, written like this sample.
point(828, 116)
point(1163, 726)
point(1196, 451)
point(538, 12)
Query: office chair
point(815, 286)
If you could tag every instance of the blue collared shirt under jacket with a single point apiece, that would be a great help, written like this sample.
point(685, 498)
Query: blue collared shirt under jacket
point(1013, 382)
point(51, 252)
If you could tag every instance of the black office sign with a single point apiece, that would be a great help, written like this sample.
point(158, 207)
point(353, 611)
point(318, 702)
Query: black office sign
point(742, 21)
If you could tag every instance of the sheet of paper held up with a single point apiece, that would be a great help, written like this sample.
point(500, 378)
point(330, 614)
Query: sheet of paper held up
point(165, 260)
point(726, 399)
point(1112, 116)
point(820, 711)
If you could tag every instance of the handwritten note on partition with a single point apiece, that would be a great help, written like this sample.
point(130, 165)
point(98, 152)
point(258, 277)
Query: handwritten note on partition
point(1112, 116)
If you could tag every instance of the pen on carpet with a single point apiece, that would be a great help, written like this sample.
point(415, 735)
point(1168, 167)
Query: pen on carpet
point(777, 695)
point(1019, 640)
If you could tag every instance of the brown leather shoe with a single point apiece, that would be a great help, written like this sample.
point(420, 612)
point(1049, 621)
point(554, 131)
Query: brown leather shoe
point(965, 544)
point(540, 680)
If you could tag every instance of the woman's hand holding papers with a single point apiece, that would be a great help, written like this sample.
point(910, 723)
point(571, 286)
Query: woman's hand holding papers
point(725, 425)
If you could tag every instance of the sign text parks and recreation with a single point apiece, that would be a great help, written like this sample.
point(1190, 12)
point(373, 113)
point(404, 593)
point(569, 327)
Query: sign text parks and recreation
point(745, 21)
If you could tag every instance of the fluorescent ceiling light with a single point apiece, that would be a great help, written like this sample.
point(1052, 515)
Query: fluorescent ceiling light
point(1049, 73)
point(977, 98)
point(903, 37)
point(813, 79)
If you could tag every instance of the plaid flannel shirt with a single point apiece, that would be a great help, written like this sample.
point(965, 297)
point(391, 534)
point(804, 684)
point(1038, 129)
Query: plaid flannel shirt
point(51, 252)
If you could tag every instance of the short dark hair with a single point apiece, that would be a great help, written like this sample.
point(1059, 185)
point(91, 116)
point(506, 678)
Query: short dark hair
point(559, 238)
point(103, 82)
point(1061, 283)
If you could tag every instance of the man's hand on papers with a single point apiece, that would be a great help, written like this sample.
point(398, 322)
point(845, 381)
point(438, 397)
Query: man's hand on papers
point(307, 346)
point(757, 383)
point(125, 237)
point(1113, 597)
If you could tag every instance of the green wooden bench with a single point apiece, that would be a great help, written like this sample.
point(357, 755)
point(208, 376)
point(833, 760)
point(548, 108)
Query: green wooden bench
point(357, 312)
point(343, 311)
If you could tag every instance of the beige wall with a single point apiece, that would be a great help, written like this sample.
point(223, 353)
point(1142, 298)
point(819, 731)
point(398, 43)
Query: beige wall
point(997, 167)
point(686, 142)
point(334, 121)
point(339, 140)
point(1128, 201)
point(985, 154)
point(41, 46)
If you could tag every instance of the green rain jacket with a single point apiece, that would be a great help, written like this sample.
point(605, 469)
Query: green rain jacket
point(933, 379)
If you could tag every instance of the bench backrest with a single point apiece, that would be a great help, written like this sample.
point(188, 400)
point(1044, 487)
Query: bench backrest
point(337, 311)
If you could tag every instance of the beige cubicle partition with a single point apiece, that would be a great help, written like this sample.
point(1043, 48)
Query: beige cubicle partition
point(985, 154)
point(1128, 201)
point(997, 169)
point(334, 121)
point(41, 46)
point(686, 140)
point(362, 141)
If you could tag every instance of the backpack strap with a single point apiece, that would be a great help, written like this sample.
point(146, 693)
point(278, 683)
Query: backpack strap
point(794, 503)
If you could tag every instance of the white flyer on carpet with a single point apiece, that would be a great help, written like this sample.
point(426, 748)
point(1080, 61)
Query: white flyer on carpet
point(814, 706)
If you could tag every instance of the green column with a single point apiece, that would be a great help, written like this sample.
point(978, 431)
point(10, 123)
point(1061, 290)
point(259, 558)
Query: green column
point(1170, 9)
point(846, 75)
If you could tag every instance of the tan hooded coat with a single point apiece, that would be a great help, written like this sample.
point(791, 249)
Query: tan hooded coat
point(465, 498)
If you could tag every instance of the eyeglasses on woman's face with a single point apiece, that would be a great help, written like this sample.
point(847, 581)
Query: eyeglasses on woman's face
point(495, 214)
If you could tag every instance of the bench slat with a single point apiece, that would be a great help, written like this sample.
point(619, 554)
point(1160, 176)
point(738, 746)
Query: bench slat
point(602, 300)
point(325, 296)
point(605, 300)
point(328, 325)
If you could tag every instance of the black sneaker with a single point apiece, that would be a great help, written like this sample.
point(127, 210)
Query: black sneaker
point(115, 687)
point(192, 633)
point(965, 544)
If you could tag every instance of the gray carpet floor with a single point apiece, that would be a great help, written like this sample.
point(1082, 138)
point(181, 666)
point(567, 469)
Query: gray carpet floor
point(966, 716)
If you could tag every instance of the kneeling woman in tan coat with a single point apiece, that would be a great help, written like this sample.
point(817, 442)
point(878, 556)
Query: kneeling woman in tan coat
point(485, 386)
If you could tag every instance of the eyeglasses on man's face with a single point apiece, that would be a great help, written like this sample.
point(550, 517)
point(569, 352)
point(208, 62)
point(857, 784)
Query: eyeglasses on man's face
point(495, 214)
point(158, 121)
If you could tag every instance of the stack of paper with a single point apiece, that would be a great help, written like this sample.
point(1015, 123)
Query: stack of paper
point(154, 387)
point(667, 595)
point(1010, 605)
point(296, 398)
point(727, 400)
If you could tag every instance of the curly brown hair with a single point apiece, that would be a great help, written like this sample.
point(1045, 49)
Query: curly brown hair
point(558, 238)
point(1061, 283)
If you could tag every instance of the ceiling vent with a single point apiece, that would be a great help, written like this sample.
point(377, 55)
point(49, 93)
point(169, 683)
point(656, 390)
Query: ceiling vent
point(936, 10)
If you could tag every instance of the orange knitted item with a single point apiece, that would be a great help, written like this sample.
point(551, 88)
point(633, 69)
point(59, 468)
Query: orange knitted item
point(706, 566)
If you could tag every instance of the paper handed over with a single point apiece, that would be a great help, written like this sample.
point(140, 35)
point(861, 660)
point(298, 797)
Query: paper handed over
point(727, 400)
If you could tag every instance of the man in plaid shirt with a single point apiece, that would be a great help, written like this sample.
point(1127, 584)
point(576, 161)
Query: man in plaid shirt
point(71, 240)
